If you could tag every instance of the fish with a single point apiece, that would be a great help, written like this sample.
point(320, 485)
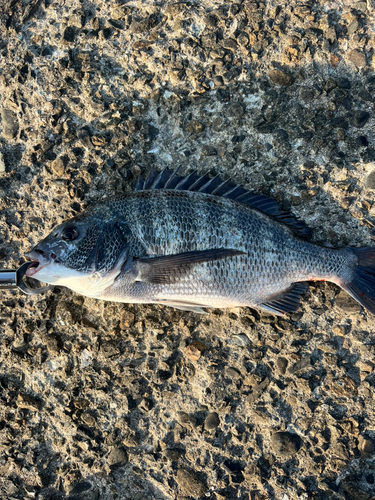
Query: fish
point(195, 242)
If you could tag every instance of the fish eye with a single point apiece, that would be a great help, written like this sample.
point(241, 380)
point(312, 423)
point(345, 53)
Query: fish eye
point(69, 234)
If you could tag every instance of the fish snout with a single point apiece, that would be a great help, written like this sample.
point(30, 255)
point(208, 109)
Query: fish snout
point(40, 255)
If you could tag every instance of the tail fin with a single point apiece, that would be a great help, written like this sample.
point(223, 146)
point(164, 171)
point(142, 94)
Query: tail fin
point(362, 284)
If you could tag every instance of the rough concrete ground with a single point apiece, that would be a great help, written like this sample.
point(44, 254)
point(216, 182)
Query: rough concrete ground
point(109, 401)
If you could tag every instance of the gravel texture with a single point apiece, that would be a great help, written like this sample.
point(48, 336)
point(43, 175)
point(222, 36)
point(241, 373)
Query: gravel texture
point(109, 401)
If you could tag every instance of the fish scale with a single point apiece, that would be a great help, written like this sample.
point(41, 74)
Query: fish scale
point(194, 242)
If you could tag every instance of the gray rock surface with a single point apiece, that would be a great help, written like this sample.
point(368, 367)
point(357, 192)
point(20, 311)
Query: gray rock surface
point(111, 401)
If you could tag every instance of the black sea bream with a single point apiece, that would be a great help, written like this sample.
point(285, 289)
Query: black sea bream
point(195, 242)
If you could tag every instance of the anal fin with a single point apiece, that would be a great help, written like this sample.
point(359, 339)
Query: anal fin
point(286, 301)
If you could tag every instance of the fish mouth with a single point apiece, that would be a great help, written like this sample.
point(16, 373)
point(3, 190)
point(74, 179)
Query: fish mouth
point(39, 262)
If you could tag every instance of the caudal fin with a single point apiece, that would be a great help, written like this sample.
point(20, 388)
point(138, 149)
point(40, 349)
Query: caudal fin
point(362, 284)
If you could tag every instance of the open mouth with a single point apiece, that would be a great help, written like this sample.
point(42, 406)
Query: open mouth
point(34, 267)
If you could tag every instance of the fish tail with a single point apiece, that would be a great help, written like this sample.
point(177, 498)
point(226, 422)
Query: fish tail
point(361, 284)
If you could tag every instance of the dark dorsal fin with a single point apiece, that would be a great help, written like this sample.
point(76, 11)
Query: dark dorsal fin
point(168, 179)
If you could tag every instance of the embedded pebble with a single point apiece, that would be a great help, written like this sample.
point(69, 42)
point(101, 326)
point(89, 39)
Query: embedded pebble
point(212, 421)
point(241, 340)
point(195, 127)
point(357, 58)
point(370, 181)
point(280, 78)
point(57, 167)
point(186, 420)
point(173, 454)
point(117, 457)
point(2, 163)
point(232, 373)
point(189, 483)
point(285, 444)
point(282, 364)
point(365, 445)
point(9, 122)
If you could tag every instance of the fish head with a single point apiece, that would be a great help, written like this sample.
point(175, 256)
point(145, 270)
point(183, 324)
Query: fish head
point(85, 254)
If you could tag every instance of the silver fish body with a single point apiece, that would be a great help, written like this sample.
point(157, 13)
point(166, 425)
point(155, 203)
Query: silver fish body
point(194, 246)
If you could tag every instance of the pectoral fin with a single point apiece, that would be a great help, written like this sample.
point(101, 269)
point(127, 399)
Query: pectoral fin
point(170, 269)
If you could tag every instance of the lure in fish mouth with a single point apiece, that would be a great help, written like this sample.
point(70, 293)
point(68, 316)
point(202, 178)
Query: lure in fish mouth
point(195, 242)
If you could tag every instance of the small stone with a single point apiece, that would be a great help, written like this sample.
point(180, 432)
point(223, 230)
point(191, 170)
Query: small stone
point(357, 58)
point(230, 75)
point(344, 83)
point(330, 34)
point(130, 440)
point(57, 167)
point(95, 23)
point(280, 78)
point(2, 163)
point(344, 302)
point(352, 28)
point(142, 25)
point(98, 140)
point(232, 373)
point(211, 21)
point(70, 34)
point(118, 14)
point(360, 118)
point(81, 403)
point(370, 182)
point(285, 444)
point(300, 365)
point(208, 150)
point(186, 420)
point(194, 350)
point(212, 421)
point(195, 127)
point(230, 44)
point(80, 487)
point(365, 446)
point(190, 484)
point(10, 123)
point(282, 364)
point(64, 314)
point(152, 132)
point(76, 20)
point(243, 39)
point(340, 122)
point(117, 458)
point(208, 41)
point(241, 340)
point(173, 455)
point(87, 418)
point(218, 81)
point(127, 319)
point(28, 403)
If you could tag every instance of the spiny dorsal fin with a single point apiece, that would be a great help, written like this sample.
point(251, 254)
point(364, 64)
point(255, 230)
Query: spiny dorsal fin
point(168, 179)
